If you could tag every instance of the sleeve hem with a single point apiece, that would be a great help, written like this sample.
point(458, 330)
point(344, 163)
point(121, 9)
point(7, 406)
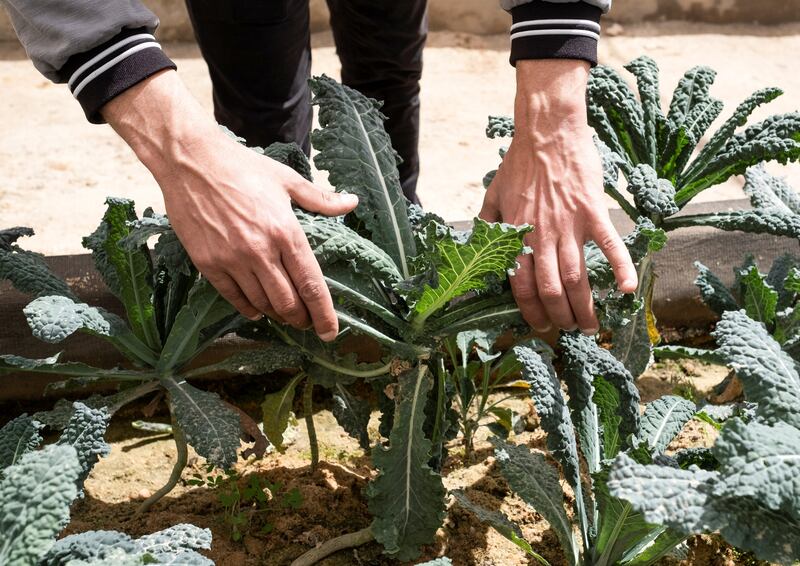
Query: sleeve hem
point(546, 30)
point(119, 78)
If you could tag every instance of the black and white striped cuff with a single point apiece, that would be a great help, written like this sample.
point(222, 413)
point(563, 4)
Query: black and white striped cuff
point(548, 30)
point(100, 74)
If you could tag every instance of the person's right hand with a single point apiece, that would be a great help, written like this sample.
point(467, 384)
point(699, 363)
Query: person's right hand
point(230, 207)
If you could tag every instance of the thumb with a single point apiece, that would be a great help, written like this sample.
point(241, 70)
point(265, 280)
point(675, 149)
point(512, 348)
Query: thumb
point(314, 199)
point(489, 212)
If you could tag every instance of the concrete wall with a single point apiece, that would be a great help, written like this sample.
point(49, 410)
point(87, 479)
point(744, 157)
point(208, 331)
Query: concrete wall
point(484, 16)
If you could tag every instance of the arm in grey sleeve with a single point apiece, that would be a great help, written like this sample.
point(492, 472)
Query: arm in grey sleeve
point(99, 47)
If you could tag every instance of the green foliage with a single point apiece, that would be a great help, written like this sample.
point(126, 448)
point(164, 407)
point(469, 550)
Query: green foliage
point(639, 133)
point(356, 151)
point(245, 500)
point(27, 270)
point(17, 437)
point(771, 299)
point(37, 488)
point(654, 150)
point(407, 497)
point(601, 419)
point(277, 411)
point(35, 495)
point(128, 272)
point(751, 495)
point(491, 249)
point(173, 315)
point(175, 545)
point(477, 384)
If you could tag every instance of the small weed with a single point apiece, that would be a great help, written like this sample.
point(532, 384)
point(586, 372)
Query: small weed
point(244, 506)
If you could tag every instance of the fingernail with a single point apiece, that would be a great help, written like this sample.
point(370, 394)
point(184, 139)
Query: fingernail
point(329, 336)
point(256, 317)
point(543, 329)
point(350, 198)
point(591, 331)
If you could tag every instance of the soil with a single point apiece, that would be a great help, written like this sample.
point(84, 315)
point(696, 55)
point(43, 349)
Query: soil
point(56, 169)
point(332, 500)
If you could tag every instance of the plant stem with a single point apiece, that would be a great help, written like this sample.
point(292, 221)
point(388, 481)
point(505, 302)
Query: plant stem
point(124, 397)
point(629, 209)
point(689, 221)
point(364, 374)
point(350, 540)
point(440, 393)
point(177, 469)
point(308, 411)
point(365, 302)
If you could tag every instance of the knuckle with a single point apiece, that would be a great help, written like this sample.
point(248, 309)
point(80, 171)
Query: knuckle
point(311, 290)
point(608, 241)
point(289, 309)
point(572, 279)
point(551, 293)
point(254, 246)
point(263, 305)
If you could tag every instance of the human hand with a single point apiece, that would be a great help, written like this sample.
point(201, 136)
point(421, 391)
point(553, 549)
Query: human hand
point(551, 178)
point(230, 207)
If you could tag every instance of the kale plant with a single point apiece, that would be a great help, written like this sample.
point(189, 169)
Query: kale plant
point(598, 422)
point(770, 298)
point(750, 493)
point(481, 386)
point(654, 151)
point(173, 315)
point(37, 488)
point(413, 285)
point(400, 278)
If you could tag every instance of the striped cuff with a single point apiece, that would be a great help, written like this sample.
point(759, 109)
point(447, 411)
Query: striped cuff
point(100, 74)
point(547, 30)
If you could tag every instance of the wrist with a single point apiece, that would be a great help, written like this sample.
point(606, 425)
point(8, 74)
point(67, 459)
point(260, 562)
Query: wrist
point(160, 120)
point(550, 93)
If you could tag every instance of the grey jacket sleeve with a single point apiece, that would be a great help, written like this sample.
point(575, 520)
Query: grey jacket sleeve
point(98, 47)
point(555, 29)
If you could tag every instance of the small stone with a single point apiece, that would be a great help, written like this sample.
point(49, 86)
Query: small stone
point(614, 29)
point(143, 494)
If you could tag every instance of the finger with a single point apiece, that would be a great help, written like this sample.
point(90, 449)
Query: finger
point(551, 290)
point(576, 283)
point(306, 275)
point(523, 285)
point(283, 296)
point(314, 199)
point(608, 240)
point(254, 291)
point(231, 292)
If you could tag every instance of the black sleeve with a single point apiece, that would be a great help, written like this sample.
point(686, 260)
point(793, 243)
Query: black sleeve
point(98, 75)
point(547, 30)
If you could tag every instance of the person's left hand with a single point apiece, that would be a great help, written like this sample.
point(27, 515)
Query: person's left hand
point(551, 178)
